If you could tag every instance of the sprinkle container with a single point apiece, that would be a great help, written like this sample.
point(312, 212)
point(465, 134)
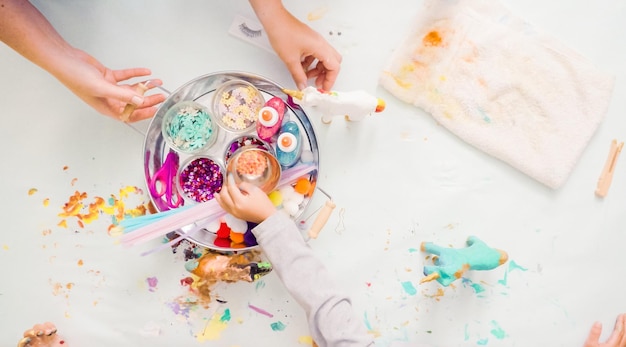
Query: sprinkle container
point(256, 166)
point(245, 141)
point(236, 105)
point(199, 178)
point(188, 127)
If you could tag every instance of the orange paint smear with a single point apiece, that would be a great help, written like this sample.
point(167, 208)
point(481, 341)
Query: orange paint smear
point(433, 38)
point(88, 212)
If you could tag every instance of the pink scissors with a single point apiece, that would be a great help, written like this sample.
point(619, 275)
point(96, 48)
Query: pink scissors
point(162, 183)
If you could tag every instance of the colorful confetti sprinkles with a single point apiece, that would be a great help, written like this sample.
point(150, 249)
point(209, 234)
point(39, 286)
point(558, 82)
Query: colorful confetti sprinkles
point(238, 104)
point(200, 179)
point(241, 142)
point(188, 127)
point(251, 163)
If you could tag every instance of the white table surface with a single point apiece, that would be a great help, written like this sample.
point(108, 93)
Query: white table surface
point(397, 178)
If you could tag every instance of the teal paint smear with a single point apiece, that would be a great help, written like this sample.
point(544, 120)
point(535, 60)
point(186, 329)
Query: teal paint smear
point(497, 330)
point(408, 288)
point(514, 266)
point(485, 116)
point(482, 342)
point(478, 288)
point(278, 326)
point(412, 250)
point(260, 285)
point(367, 322)
point(466, 332)
point(503, 281)
point(226, 316)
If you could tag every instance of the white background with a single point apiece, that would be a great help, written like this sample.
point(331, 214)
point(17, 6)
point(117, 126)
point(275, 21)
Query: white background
point(397, 178)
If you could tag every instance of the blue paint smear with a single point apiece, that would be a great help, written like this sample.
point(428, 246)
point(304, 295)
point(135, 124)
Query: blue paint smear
point(482, 342)
point(413, 250)
point(409, 288)
point(466, 332)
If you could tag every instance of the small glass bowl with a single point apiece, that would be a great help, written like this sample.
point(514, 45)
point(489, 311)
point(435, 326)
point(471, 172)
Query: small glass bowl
point(188, 127)
point(199, 178)
point(236, 105)
point(245, 141)
point(254, 165)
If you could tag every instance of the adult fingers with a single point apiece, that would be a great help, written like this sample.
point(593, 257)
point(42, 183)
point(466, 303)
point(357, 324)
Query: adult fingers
point(617, 336)
point(123, 75)
point(594, 334)
point(141, 114)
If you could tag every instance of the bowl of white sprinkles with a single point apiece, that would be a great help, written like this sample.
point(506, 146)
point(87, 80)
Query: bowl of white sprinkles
point(188, 127)
point(236, 105)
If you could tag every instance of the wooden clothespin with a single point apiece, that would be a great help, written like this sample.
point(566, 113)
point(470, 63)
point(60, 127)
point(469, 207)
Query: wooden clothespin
point(141, 89)
point(604, 182)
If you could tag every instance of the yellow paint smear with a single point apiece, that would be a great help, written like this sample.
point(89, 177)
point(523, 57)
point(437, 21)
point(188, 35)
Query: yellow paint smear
point(317, 14)
point(305, 340)
point(213, 330)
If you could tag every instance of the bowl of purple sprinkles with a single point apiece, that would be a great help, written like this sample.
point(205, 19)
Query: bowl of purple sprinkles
point(199, 178)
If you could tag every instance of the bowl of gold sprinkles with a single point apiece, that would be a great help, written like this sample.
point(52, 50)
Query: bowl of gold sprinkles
point(236, 104)
point(188, 127)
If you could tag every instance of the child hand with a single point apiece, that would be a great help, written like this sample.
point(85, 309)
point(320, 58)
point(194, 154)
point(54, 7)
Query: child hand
point(247, 202)
point(617, 338)
point(305, 53)
point(41, 335)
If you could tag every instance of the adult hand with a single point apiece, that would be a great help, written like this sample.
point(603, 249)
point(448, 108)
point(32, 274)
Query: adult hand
point(617, 338)
point(247, 202)
point(304, 51)
point(100, 86)
point(29, 33)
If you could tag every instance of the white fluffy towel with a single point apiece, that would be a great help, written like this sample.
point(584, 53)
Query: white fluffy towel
point(500, 85)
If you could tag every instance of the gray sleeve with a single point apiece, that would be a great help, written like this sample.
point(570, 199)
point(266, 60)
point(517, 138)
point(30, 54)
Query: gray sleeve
point(329, 311)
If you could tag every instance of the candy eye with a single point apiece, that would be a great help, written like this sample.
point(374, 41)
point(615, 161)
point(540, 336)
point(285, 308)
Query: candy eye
point(287, 142)
point(268, 116)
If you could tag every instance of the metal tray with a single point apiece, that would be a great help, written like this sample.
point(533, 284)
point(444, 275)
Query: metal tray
point(201, 90)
